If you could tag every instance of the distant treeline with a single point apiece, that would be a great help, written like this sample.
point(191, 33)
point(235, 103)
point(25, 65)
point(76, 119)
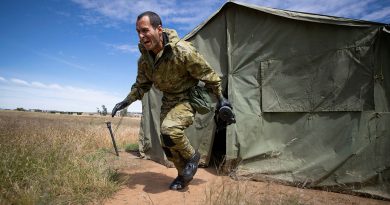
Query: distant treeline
point(122, 113)
point(48, 111)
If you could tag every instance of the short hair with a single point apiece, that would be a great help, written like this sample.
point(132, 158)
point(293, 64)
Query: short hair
point(154, 18)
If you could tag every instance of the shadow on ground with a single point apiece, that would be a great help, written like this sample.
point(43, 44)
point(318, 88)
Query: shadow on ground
point(152, 182)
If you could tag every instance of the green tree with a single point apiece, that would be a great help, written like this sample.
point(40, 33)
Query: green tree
point(123, 112)
point(104, 110)
point(98, 111)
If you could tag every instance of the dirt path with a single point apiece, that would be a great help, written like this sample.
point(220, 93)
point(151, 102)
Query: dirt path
point(146, 182)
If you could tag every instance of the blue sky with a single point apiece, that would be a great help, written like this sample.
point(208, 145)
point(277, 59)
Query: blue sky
point(76, 55)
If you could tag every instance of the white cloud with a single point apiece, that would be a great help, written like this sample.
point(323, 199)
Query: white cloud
point(125, 48)
point(364, 9)
point(38, 95)
point(91, 19)
point(2, 79)
point(55, 86)
point(19, 82)
point(38, 84)
point(75, 89)
point(173, 11)
point(380, 14)
point(63, 61)
point(119, 9)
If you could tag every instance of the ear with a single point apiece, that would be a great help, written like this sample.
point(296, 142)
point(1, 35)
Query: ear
point(159, 29)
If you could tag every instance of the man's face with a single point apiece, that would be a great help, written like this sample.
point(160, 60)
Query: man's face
point(149, 37)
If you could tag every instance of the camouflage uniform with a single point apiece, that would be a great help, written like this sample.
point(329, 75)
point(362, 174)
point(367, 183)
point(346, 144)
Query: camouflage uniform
point(174, 70)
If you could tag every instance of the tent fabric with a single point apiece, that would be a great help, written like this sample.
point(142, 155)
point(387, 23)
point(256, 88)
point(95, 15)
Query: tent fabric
point(311, 95)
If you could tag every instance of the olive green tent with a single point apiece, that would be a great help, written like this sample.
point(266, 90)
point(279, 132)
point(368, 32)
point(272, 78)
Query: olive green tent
point(311, 94)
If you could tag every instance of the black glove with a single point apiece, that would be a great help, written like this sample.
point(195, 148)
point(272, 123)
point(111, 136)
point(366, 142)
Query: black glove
point(119, 106)
point(225, 111)
point(227, 115)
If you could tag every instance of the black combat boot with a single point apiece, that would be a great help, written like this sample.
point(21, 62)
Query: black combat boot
point(191, 167)
point(178, 183)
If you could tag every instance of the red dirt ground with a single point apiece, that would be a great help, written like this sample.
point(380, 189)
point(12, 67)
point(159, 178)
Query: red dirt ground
point(146, 182)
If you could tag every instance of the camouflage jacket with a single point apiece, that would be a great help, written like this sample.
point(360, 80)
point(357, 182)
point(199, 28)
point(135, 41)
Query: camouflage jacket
point(179, 68)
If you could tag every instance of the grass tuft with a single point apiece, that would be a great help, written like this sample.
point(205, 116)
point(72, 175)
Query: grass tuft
point(132, 147)
point(51, 159)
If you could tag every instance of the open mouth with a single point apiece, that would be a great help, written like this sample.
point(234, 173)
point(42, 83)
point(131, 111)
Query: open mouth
point(146, 43)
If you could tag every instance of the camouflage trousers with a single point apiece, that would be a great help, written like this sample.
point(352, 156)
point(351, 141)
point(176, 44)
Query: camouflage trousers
point(175, 118)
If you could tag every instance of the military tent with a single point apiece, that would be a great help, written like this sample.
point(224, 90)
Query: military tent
point(311, 94)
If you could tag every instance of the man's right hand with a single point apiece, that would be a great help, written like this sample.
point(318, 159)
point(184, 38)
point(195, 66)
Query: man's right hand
point(119, 106)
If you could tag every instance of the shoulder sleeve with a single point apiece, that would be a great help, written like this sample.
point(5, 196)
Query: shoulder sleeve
point(142, 83)
point(201, 70)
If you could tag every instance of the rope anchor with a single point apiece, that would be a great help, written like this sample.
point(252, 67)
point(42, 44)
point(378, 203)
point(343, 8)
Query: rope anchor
point(112, 137)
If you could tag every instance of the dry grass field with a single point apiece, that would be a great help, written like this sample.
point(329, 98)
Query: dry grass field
point(63, 159)
point(59, 159)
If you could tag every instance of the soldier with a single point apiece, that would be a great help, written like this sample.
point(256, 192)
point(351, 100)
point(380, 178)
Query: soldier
point(173, 66)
